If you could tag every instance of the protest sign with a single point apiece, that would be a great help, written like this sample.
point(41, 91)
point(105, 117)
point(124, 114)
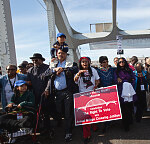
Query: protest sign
point(97, 106)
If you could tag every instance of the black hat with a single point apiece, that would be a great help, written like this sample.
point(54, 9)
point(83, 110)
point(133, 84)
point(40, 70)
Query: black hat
point(22, 65)
point(37, 55)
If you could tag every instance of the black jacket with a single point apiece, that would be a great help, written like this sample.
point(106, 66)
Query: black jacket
point(69, 73)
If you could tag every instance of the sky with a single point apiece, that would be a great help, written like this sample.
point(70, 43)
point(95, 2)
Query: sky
point(30, 24)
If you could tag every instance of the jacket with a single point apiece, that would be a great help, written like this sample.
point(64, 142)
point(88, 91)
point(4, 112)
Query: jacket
point(125, 76)
point(27, 100)
point(70, 70)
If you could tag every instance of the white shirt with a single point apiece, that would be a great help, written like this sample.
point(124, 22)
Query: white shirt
point(8, 90)
point(86, 83)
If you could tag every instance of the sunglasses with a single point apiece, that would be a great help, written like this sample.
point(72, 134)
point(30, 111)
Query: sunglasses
point(121, 61)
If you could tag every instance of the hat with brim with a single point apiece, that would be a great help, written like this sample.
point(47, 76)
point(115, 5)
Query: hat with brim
point(22, 65)
point(37, 56)
point(19, 83)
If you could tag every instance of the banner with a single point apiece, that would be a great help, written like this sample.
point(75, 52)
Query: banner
point(97, 106)
point(119, 43)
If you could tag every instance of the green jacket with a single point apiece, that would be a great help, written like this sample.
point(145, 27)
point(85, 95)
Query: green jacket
point(25, 100)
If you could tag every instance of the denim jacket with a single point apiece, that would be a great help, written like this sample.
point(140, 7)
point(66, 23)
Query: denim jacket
point(3, 82)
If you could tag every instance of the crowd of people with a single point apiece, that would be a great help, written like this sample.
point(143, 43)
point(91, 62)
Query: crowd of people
point(37, 83)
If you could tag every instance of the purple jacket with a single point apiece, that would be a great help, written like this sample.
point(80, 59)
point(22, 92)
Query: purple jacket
point(125, 77)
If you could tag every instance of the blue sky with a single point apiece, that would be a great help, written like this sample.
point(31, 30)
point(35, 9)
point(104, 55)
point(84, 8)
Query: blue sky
point(31, 27)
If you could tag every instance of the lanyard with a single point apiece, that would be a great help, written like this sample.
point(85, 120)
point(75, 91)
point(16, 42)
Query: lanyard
point(140, 76)
point(12, 85)
point(141, 80)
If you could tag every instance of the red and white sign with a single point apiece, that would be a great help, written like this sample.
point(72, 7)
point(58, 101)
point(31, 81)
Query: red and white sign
point(97, 106)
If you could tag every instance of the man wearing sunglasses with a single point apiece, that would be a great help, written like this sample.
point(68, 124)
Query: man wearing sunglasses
point(38, 83)
point(34, 76)
point(7, 84)
point(134, 60)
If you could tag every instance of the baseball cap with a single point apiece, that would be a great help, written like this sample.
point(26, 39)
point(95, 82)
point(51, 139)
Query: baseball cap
point(60, 34)
point(19, 83)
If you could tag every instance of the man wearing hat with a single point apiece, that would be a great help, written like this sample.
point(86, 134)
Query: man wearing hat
point(62, 86)
point(35, 78)
point(59, 44)
point(38, 82)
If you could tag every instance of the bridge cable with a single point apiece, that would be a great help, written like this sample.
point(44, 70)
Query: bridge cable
point(41, 5)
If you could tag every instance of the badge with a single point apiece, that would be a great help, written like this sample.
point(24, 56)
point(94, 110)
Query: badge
point(142, 88)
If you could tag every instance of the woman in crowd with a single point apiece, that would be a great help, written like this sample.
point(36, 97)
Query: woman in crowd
point(125, 79)
point(87, 79)
point(141, 88)
point(106, 74)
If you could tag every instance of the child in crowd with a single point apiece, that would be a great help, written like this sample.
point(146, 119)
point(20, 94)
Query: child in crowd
point(24, 111)
point(59, 44)
point(87, 79)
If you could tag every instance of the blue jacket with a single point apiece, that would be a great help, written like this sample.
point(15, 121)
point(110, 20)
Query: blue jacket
point(3, 82)
point(63, 46)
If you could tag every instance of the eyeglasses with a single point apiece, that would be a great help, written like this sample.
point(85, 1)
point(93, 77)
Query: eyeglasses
point(121, 62)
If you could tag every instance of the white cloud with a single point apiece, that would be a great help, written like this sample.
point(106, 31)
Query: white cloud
point(85, 4)
point(94, 15)
point(134, 13)
point(26, 50)
point(105, 15)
